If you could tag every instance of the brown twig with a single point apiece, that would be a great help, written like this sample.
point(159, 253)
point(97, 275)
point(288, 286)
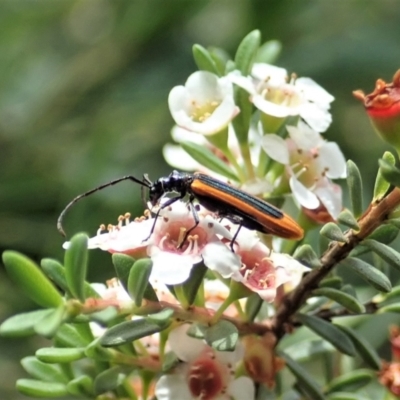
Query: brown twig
point(375, 215)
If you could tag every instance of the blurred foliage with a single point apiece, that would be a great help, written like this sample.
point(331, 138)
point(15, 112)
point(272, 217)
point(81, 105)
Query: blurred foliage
point(83, 99)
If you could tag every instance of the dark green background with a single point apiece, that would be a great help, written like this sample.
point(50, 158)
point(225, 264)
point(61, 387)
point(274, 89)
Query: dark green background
point(83, 99)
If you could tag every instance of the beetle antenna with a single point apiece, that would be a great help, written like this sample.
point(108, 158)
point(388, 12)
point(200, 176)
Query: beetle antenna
point(145, 182)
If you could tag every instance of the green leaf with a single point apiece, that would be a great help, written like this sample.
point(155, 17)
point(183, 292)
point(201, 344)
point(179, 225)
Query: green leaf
point(241, 122)
point(268, 52)
point(333, 232)
point(334, 282)
point(76, 259)
point(354, 183)
point(208, 159)
point(123, 264)
point(130, 330)
point(391, 308)
point(43, 371)
point(22, 324)
point(253, 306)
point(247, 51)
point(24, 272)
point(222, 336)
point(36, 388)
point(49, 325)
point(54, 355)
point(220, 58)
point(344, 299)
point(68, 336)
point(109, 379)
point(389, 172)
point(303, 377)
point(329, 332)
point(81, 386)
point(99, 353)
point(192, 285)
point(373, 276)
point(395, 222)
point(381, 184)
point(352, 381)
point(197, 330)
point(392, 296)
point(306, 255)
point(170, 361)
point(347, 218)
point(391, 256)
point(385, 234)
point(138, 279)
point(203, 59)
point(345, 396)
point(56, 272)
point(161, 317)
point(363, 347)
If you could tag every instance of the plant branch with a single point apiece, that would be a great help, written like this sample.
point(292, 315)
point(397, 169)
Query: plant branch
point(374, 216)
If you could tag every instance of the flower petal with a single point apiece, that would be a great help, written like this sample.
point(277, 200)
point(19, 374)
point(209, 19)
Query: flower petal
point(333, 159)
point(242, 388)
point(170, 268)
point(304, 137)
point(185, 347)
point(175, 156)
point(330, 195)
point(314, 92)
point(317, 117)
point(276, 148)
point(173, 386)
point(303, 195)
point(221, 259)
point(275, 76)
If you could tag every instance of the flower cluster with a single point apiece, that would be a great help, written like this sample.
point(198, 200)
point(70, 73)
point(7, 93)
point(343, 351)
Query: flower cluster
point(259, 130)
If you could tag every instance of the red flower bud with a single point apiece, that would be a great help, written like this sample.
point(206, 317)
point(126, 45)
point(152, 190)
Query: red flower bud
point(383, 108)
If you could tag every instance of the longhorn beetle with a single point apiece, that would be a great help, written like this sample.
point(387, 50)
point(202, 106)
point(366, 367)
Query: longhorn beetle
point(234, 204)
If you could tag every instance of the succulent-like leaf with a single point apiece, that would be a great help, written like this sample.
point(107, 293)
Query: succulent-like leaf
point(303, 377)
point(329, 332)
point(76, 260)
point(197, 330)
point(203, 59)
point(347, 218)
point(192, 285)
point(49, 325)
point(69, 336)
point(355, 186)
point(28, 276)
point(81, 386)
point(351, 381)
point(345, 396)
point(43, 371)
point(334, 282)
point(344, 299)
point(139, 278)
point(333, 232)
point(109, 379)
point(306, 255)
point(162, 316)
point(222, 336)
point(363, 347)
point(253, 306)
point(385, 234)
point(247, 51)
point(40, 389)
point(381, 184)
point(129, 331)
point(389, 172)
point(208, 159)
point(54, 355)
point(391, 256)
point(22, 324)
point(373, 276)
point(268, 52)
point(122, 264)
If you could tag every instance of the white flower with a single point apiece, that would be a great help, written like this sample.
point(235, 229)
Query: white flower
point(264, 271)
point(172, 259)
point(274, 94)
point(205, 373)
point(311, 162)
point(204, 105)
